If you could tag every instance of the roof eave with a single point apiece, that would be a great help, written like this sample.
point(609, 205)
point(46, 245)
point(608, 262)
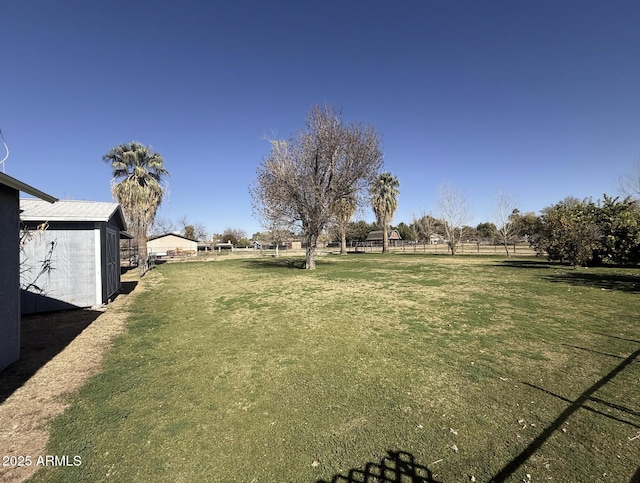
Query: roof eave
point(25, 188)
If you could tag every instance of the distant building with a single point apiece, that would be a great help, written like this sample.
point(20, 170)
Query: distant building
point(223, 245)
point(171, 245)
point(374, 238)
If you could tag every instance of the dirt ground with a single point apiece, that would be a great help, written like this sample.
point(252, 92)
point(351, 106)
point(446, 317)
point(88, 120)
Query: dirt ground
point(59, 352)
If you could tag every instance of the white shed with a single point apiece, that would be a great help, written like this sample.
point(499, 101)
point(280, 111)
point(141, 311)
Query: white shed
point(75, 261)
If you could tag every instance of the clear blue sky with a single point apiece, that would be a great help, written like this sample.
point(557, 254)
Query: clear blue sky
point(541, 99)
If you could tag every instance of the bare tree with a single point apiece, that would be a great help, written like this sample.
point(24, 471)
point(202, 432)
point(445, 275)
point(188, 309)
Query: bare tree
point(455, 214)
point(425, 227)
point(273, 216)
point(163, 226)
point(630, 183)
point(301, 180)
point(505, 217)
point(193, 231)
point(199, 232)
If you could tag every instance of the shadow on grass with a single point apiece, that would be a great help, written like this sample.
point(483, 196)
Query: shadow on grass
point(605, 281)
point(271, 262)
point(43, 336)
point(595, 351)
point(580, 403)
point(538, 263)
point(396, 467)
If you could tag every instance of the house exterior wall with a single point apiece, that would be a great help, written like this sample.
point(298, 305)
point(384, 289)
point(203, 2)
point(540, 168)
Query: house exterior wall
point(9, 276)
point(74, 278)
point(170, 242)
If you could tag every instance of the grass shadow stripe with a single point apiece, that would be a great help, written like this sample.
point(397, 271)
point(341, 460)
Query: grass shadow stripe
point(535, 445)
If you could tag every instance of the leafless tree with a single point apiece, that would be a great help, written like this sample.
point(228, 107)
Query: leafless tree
point(162, 226)
point(301, 180)
point(193, 231)
point(505, 217)
point(630, 183)
point(426, 227)
point(200, 232)
point(455, 214)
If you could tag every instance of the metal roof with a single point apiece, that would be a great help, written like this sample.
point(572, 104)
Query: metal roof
point(16, 184)
point(376, 235)
point(70, 210)
point(155, 237)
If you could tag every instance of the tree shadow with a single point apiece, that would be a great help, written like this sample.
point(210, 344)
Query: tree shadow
point(538, 264)
point(573, 405)
point(277, 263)
point(43, 336)
point(605, 281)
point(395, 467)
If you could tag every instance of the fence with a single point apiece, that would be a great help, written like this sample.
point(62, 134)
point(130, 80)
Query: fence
point(470, 248)
point(129, 258)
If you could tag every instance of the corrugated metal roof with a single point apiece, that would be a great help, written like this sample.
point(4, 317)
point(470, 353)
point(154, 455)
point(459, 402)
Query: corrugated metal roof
point(68, 210)
point(155, 237)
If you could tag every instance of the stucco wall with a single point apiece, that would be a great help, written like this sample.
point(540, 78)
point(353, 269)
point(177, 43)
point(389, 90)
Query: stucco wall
point(9, 277)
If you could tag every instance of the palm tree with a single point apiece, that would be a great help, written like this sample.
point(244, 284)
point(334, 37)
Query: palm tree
point(384, 192)
point(345, 208)
point(138, 186)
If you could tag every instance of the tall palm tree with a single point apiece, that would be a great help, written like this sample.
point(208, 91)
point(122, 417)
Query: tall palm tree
point(384, 201)
point(345, 208)
point(138, 186)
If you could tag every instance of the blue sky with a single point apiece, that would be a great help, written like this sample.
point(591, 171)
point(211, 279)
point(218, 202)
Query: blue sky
point(540, 99)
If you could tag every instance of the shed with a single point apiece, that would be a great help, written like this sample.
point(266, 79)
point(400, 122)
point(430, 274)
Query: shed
point(171, 244)
point(10, 189)
point(81, 245)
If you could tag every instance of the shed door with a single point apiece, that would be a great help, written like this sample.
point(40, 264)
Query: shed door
point(113, 262)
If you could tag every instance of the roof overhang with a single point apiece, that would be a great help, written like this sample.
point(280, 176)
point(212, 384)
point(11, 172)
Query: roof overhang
point(16, 184)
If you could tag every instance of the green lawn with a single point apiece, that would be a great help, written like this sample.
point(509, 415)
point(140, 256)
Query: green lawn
point(440, 367)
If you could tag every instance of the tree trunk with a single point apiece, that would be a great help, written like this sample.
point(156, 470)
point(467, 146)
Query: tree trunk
point(343, 241)
point(506, 248)
point(312, 245)
point(385, 240)
point(142, 247)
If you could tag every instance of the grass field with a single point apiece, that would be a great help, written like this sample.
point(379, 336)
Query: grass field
point(407, 366)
